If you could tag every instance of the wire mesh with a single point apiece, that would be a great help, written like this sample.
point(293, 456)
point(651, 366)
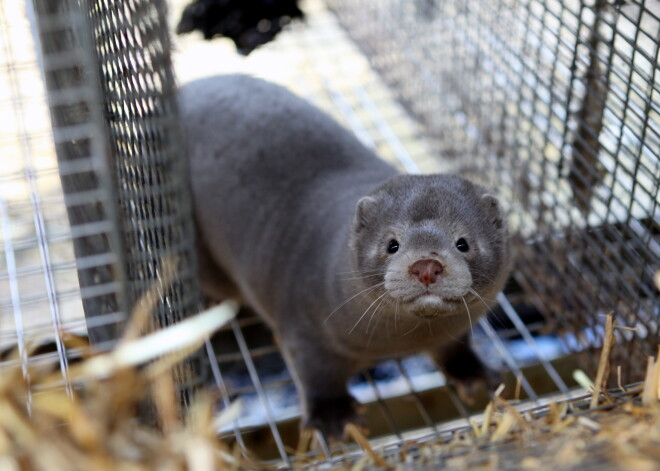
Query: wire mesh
point(41, 296)
point(557, 102)
point(95, 194)
point(85, 168)
point(131, 40)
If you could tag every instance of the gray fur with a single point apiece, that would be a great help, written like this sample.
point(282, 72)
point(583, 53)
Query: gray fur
point(294, 217)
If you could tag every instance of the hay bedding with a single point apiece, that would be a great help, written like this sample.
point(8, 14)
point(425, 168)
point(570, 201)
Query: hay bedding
point(616, 429)
point(95, 427)
point(622, 434)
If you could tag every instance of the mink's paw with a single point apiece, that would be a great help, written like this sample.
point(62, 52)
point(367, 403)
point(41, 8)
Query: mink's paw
point(330, 415)
point(466, 371)
point(468, 387)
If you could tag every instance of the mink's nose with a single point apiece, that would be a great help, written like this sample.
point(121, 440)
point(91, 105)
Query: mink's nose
point(426, 271)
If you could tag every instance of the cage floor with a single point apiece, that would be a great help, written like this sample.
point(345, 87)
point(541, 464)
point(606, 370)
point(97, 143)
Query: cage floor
point(317, 60)
point(621, 433)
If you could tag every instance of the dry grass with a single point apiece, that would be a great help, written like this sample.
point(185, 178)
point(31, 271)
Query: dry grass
point(615, 429)
point(95, 426)
point(621, 434)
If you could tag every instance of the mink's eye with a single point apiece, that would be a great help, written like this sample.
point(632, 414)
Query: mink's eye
point(462, 245)
point(392, 246)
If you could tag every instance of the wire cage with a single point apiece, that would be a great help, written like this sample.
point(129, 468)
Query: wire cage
point(555, 104)
point(92, 139)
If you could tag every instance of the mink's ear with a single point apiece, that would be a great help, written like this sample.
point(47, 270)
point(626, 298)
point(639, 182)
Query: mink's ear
point(364, 213)
point(494, 211)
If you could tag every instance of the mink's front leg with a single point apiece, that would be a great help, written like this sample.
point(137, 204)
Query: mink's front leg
point(461, 365)
point(321, 376)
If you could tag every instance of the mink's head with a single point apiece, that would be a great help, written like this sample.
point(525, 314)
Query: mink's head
point(437, 243)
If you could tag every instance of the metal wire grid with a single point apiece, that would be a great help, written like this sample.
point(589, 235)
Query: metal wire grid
point(322, 64)
point(132, 43)
point(439, 450)
point(40, 296)
point(97, 174)
point(153, 215)
point(85, 169)
point(557, 101)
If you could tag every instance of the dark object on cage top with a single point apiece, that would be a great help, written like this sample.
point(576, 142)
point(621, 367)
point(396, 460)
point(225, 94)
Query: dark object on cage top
point(249, 23)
